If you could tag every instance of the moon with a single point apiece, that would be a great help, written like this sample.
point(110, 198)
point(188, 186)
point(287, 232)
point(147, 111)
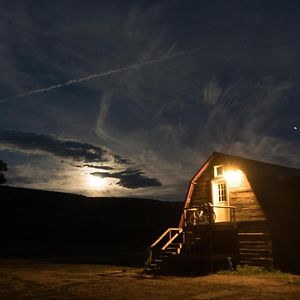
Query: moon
point(95, 182)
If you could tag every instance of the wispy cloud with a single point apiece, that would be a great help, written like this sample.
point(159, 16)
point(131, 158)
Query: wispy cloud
point(102, 74)
point(240, 119)
point(211, 93)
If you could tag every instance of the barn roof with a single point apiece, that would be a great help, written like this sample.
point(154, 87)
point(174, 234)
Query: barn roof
point(264, 167)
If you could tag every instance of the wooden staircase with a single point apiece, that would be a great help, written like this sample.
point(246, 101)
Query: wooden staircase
point(255, 244)
point(163, 251)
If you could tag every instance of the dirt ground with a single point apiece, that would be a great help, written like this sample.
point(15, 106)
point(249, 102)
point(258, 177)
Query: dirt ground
point(40, 280)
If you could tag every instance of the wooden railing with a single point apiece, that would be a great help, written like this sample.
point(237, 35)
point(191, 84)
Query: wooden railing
point(206, 215)
point(231, 211)
point(169, 236)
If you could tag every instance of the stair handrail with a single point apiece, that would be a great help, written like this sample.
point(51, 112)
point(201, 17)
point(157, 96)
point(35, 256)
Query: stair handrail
point(169, 230)
point(171, 239)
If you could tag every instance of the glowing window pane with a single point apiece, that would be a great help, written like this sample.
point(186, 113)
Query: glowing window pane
point(222, 192)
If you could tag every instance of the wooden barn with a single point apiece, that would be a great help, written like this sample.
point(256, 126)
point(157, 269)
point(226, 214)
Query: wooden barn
point(237, 212)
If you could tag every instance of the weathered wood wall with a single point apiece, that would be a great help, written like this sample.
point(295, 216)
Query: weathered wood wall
point(243, 198)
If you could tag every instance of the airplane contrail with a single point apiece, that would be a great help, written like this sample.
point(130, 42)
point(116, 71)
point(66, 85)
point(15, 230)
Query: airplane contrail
point(97, 75)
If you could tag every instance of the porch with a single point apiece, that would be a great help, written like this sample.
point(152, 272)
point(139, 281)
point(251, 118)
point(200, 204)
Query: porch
point(203, 245)
point(200, 245)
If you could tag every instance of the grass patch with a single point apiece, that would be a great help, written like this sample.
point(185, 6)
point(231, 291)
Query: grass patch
point(249, 270)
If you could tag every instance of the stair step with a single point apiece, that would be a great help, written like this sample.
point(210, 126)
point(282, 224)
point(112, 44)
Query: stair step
point(254, 249)
point(153, 266)
point(254, 255)
point(253, 233)
point(164, 257)
point(171, 252)
point(256, 262)
point(177, 245)
point(258, 259)
point(254, 242)
point(254, 252)
point(172, 248)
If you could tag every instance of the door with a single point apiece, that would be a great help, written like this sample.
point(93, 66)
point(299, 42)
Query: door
point(221, 200)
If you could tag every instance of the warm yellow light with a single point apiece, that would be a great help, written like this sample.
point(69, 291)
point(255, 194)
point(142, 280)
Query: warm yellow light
point(234, 177)
point(95, 182)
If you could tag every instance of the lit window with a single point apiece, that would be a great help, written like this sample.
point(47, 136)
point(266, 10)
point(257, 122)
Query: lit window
point(219, 171)
point(222, 192)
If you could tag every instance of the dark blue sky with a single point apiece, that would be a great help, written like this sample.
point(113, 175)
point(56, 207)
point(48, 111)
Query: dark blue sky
point(146, 130)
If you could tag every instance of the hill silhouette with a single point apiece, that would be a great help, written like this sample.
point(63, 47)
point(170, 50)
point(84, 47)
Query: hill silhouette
point(61, 226)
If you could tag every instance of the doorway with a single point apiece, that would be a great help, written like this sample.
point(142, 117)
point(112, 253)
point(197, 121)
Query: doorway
point(221, 200)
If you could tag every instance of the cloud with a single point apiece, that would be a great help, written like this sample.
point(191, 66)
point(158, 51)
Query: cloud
point(130, 178)
point(29, 141)
point(98, 167)
point(240, 96)
point(102, 74)
point(211, 93)
point(264, 148)
point(87, 156)
point(49, 174)
point(241, 118)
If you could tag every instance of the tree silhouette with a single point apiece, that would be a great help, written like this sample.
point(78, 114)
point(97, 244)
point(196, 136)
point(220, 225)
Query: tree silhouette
point(3, 167)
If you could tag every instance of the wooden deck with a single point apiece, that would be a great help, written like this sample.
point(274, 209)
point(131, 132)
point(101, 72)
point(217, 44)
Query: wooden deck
point(207, 248)
point(243, 243)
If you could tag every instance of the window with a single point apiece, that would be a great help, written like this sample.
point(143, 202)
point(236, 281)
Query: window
point(219, 171)
point(222, 192)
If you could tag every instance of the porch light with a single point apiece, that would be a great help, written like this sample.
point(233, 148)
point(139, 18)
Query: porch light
point(234, 177)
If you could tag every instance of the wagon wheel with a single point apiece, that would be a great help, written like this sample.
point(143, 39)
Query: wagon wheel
point(209, 215)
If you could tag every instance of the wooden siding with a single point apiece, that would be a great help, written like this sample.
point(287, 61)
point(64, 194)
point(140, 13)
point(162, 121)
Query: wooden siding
point(243, 198)
point(255, 244)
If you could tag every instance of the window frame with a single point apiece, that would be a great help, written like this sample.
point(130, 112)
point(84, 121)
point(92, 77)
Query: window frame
point(216, 168)
point(222, 192)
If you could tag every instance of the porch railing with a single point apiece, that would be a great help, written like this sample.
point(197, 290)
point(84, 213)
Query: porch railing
point(206, 215)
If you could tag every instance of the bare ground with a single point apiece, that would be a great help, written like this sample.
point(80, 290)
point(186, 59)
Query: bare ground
point(41, 280)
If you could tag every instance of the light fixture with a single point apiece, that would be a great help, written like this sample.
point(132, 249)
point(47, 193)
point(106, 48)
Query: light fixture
point(234, 177)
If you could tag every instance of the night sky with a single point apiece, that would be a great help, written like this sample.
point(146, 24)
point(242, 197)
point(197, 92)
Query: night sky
point(129, 98)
